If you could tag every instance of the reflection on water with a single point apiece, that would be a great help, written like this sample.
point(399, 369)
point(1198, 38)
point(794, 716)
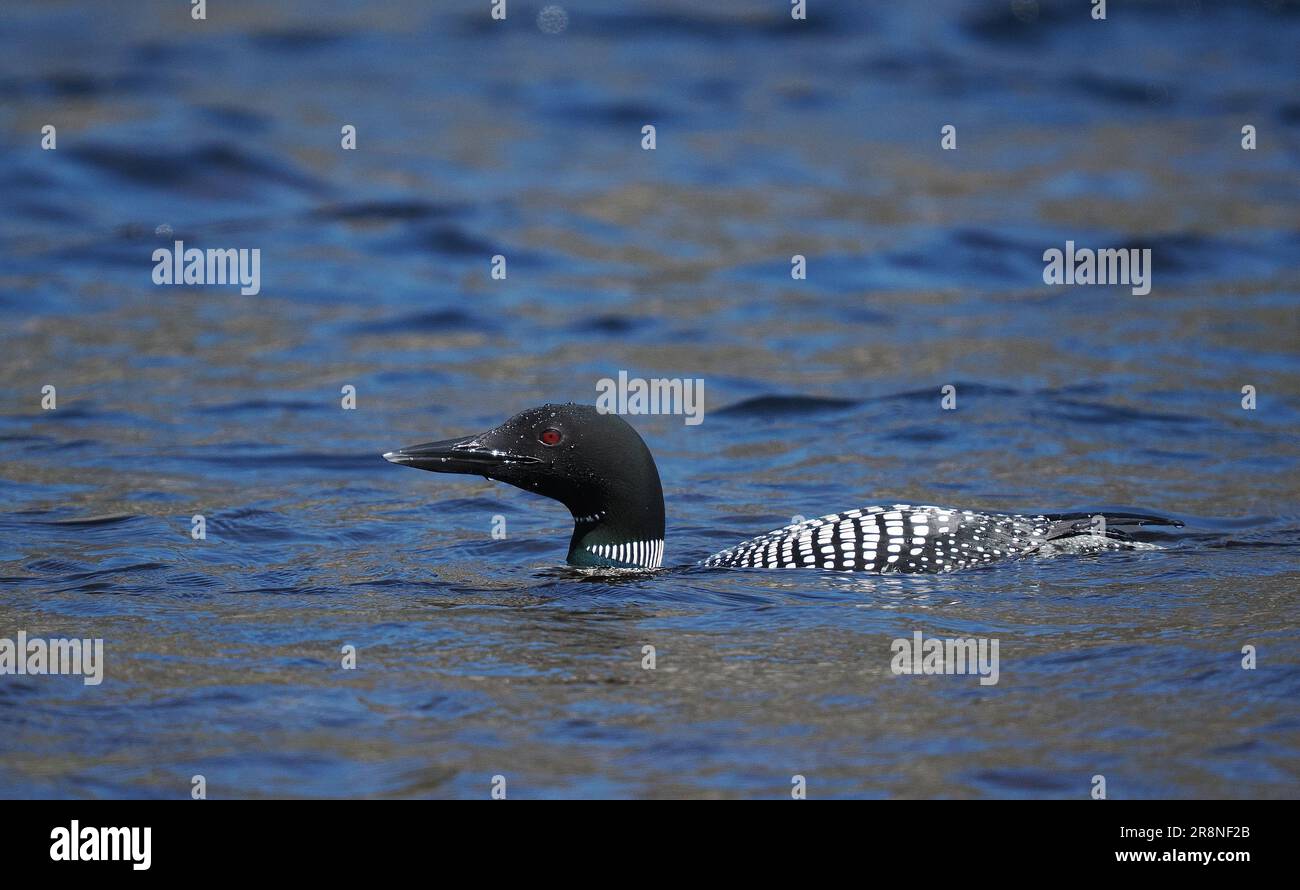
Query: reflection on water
point(478, 656)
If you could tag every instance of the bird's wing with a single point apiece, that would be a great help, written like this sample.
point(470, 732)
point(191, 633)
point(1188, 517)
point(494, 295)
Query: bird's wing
point(899, 538)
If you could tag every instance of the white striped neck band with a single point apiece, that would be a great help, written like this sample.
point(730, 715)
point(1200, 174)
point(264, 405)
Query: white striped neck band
point(645, 554)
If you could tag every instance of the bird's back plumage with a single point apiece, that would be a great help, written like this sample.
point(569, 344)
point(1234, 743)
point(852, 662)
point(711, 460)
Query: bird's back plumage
point(917, 539)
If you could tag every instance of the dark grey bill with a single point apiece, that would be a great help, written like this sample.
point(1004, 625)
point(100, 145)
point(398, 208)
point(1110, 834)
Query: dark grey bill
point(464, 455)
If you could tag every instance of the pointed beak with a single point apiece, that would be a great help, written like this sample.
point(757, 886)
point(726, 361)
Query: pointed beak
point(464, 455)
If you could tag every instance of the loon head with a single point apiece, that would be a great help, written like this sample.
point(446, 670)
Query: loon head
point(593, 463)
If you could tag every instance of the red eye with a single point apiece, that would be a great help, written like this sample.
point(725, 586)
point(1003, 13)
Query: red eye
point(550, 436)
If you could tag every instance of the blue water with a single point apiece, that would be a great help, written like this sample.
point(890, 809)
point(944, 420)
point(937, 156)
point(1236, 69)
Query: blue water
point(478, 656)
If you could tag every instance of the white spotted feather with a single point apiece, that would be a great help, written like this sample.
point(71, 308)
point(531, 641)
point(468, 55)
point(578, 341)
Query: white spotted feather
point(900, 538)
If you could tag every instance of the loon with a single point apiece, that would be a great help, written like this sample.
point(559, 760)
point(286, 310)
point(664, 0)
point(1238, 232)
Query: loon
point(597, 465)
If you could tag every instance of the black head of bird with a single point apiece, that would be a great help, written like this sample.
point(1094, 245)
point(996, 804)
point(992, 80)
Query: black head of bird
point(595, 464)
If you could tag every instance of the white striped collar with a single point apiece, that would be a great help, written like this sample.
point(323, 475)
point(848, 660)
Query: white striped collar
point(646, 554)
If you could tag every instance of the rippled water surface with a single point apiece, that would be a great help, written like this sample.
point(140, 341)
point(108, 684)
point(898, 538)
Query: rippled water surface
point(479, 657)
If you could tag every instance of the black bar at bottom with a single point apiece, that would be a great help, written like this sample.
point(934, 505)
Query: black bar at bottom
point(336, 839)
